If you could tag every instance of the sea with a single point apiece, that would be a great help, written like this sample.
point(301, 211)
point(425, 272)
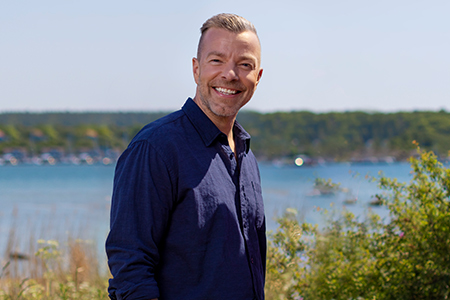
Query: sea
point(61, 202)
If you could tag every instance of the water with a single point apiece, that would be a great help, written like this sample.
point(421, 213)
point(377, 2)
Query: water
point(53, 202)
point(291, 187)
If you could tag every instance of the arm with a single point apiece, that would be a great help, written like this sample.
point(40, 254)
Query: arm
point(140, 209)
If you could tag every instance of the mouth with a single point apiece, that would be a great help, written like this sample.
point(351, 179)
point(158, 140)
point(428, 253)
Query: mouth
point(225, 91)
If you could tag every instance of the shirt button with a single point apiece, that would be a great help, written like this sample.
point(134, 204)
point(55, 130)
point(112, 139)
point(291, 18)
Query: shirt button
point(251, 259)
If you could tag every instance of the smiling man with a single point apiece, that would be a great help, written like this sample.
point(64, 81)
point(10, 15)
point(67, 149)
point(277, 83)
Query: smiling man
point(187, 216)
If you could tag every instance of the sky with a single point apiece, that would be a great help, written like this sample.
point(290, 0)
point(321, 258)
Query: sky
point(320, 56)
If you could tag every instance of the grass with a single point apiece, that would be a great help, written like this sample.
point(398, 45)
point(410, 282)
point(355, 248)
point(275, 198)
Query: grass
point(52, 269)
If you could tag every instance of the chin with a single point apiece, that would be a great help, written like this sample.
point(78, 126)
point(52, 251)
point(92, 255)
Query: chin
point(226, 112)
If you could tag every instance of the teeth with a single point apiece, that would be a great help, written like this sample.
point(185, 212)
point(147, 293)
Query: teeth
point(226, 91)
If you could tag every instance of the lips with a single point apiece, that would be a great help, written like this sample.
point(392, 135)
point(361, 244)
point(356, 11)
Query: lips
point(226, 91)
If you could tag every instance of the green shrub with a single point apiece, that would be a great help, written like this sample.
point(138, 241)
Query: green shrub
point(404, 257)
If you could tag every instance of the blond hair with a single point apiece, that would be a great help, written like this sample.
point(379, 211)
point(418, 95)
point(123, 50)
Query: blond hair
point(230, 22)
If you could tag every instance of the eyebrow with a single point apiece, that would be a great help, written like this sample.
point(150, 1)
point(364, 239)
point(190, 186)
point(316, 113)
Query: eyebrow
point(215, 53)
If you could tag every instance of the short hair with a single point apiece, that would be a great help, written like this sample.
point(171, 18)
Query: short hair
point(230, 22)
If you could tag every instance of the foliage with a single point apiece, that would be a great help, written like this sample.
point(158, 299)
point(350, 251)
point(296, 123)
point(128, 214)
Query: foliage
point(339, 136)
point(404, 257)
point(345, 135)
point(326, 187)
point(286, 260)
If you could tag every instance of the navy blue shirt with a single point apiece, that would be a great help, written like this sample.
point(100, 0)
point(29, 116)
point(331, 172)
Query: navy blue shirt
point(187, 218)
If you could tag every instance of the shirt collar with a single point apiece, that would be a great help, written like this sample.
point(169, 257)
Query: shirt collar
point(206, 128)
point(241, 134)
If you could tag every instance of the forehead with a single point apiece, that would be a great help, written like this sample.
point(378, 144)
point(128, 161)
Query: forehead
point(218, 40)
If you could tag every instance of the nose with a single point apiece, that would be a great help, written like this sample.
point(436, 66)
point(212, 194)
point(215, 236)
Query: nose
point(230, 72)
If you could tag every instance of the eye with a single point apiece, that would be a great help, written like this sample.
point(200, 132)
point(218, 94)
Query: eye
point(247, 66)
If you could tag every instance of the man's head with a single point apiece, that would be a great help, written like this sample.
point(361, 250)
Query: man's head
point(228, 65)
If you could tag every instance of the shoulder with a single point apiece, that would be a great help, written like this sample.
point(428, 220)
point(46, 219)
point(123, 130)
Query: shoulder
point(160, 129)
point(166, 138)
point(154, 145)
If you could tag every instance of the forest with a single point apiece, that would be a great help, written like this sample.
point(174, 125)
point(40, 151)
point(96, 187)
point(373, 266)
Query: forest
point(334, 136)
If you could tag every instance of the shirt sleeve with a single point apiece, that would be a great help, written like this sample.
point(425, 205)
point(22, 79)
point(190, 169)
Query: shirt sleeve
point(140, 208)
point(262, 239)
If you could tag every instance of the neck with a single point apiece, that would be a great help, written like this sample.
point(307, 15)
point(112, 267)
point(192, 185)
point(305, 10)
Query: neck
point(230, 136)
point(225, 124)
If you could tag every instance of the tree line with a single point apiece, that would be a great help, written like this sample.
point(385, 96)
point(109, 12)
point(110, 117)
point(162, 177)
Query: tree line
point(333, 135)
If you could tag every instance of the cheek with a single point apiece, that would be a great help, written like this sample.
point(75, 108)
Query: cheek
point(251, 78)
point(251, 82)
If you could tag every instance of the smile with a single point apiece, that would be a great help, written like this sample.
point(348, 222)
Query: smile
point(226, 91)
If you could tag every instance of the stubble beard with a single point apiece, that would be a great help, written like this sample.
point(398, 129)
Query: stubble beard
point(218, 110)
point(223, 112)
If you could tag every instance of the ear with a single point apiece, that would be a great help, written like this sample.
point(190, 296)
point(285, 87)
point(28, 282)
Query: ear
point(195, 69)
point(259, 76)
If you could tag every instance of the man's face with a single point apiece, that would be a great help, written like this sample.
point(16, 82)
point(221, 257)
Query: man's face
point(227, 71)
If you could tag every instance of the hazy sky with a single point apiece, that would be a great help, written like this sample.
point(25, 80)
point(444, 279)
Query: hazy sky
point(324, 55)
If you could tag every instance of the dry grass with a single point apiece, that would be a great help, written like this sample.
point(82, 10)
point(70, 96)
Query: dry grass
point(51, 269)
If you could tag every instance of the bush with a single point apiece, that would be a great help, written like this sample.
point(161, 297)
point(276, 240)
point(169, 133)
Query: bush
point(404, 257)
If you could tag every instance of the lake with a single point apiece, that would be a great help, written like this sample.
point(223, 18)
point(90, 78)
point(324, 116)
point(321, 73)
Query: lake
point(54, 202)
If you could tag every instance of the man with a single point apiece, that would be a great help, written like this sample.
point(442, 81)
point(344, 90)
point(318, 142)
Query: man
point(187, 216)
